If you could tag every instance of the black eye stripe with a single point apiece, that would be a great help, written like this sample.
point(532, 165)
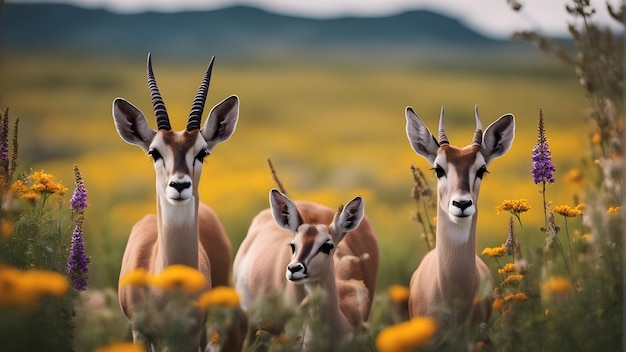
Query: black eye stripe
point(155, 154)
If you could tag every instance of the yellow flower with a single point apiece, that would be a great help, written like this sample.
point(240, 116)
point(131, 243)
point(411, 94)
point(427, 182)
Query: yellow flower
point(189, 279)
point(497, 304)
point(30, 195)
point(515, 206)
point(44, 183)
point(513, 279)
point(18, 187)
point(281, 339)
point(495, 251)
point(574, 176)
point(121, 347)
point(219, 296)
point(613, 210)
point(568, 211)
point(557, 285)
point(138, 278)
point(508, 268)
point(6, 228)
point(596, 138)
point(520, 297)
point(407, 335)
point(398, 293)
point(25, 288)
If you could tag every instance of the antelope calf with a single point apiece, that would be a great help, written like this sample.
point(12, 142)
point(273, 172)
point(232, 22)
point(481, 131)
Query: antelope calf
point(293, 246)
point(447, 280)
point(184, 231)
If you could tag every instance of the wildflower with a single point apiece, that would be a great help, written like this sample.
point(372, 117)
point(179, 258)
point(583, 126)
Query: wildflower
point(557, 285)
point(575, 176)
point(189, 279)
point(515, 206)
point(398, 293)
point(407, 335)
point(568, 211)
point(508, 268)
point(281, 339)
point(219, 296)
point(78, 202)
point(78, 261)
point(519, 297)
point(121, 347)
point(497, 304)
point(513, 279)
point(495, 251)
point(542, 169)
point(596, 138)
point(613, 210)
point(6, 228)
point(138, 278)
point(44, 183)
point(25, 288)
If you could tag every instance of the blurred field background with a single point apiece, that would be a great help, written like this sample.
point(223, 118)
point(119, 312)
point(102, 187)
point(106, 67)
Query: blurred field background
point(333, 128)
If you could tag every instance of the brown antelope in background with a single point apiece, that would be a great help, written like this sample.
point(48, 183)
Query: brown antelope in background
point(307, 243)
point(447, 280)
point(184, 231)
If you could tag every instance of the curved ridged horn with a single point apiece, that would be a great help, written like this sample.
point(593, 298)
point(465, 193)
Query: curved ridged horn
point(443, 138)
point(195, 116)
point(163, 121)
point(478, 135)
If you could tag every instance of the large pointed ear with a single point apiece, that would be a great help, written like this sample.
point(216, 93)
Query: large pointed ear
point(221, 122)
point(498, 138)
point(131, 124)
point(347, 219)
point(422, 141)
point(284, 211)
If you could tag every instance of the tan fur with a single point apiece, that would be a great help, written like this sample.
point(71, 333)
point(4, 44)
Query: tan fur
point(264, 255)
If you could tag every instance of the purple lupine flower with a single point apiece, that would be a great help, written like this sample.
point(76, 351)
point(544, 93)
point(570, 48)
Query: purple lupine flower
point(78, 261)
point(542, 169)
point(78, 202)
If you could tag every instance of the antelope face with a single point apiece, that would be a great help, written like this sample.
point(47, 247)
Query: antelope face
point(460, 170)
point(312, 251)
point(459, 173)
point(178, 158)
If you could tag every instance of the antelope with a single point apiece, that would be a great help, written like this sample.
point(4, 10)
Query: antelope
point(184, 230)
point(314, 237)
point(446, 283)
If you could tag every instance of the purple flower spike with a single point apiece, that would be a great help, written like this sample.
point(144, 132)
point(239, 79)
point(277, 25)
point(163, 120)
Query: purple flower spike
point(78, 202)
point(543, 169)
point(77, 262)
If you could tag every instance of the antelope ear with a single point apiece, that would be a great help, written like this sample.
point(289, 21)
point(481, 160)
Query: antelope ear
point(284, 211)
point(131, 124)
point(498, 138)
point(348, 218)
point(422, 141)
point(221, 122)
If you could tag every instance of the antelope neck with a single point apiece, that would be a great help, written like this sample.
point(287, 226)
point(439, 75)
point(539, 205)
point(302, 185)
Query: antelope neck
point(177, 233)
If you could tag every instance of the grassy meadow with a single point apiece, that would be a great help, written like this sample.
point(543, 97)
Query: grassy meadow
point(332, 131)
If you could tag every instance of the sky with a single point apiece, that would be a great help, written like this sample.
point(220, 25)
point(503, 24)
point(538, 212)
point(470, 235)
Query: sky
point(493, 18)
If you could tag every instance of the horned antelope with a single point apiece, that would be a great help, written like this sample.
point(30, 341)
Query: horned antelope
point(184, 230)
point(446, 282)
point(294, 247)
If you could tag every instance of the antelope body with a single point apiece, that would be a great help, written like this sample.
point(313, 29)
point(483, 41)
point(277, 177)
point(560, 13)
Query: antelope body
point(447, 281)
point(296, 246)
point(184, 230)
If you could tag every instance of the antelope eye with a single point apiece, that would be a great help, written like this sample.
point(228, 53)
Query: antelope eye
point(293, 248)
point(439, 171)
point(481, 172)
point(155, 154)
point(327, 247)
point(202, 154)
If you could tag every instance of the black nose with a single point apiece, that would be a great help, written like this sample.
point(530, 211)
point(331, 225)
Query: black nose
point(462, 204)
point(180, 186)
point(296, 267)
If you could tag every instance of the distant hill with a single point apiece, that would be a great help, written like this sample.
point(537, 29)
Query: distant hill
point(236, 31)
